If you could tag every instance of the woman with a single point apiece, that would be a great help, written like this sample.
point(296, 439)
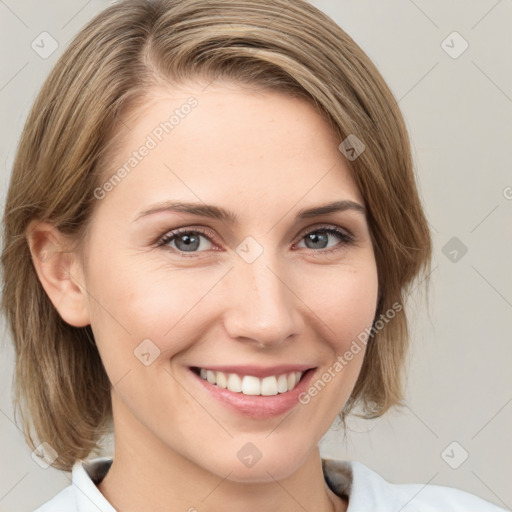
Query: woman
point(210, 230)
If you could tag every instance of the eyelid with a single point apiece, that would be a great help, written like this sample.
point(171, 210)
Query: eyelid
point(210, 235)
point(174, 233)
point(319, 227)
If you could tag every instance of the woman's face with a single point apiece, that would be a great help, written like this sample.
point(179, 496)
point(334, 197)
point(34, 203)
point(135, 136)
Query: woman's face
point(252, 290)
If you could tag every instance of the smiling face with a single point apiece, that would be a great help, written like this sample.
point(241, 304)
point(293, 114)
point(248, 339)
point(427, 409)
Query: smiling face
point(263, 293)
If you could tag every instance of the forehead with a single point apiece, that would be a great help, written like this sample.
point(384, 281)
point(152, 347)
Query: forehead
point(228, 143)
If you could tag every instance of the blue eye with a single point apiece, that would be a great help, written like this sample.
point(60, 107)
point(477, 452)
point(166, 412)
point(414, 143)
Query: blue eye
point(187, 240)
point(184, 240)
point(320, 237)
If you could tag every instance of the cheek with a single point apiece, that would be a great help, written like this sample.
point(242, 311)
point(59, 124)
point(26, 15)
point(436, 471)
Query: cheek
point(344, 299)
point(176, 308)
point(135, 297)
point(168, 306)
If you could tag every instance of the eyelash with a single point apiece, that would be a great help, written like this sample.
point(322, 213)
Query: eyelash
point(345, 239)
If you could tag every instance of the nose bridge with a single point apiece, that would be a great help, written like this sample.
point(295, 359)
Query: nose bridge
point(263, 307)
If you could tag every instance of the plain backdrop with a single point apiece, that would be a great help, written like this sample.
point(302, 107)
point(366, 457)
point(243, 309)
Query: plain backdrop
point(448, 65)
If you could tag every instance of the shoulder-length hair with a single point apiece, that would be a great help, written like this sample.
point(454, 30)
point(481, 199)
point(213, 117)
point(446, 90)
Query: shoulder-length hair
point(61, 387)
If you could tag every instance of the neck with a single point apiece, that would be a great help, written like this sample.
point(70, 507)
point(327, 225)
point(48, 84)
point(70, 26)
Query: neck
point(147, 475)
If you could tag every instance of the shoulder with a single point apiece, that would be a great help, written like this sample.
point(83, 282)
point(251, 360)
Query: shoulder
point(82, 495)
point(367, 490)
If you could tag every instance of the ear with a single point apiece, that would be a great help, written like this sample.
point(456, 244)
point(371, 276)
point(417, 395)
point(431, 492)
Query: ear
point(60, 272)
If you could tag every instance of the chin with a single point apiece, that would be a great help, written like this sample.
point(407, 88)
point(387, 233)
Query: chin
point(250, 465)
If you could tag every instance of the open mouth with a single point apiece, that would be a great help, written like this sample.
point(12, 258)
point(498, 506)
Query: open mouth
point(249, 384)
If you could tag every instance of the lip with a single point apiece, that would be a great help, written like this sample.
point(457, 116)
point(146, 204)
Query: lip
point(257, 407)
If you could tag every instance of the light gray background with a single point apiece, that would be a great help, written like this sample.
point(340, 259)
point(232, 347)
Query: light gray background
point(458, 111)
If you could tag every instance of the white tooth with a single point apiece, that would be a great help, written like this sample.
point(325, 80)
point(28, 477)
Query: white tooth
point(234, 383)
point(251, 385)
point(291, 381)
point(222, 381)
point(269, 386)
point(282, 384)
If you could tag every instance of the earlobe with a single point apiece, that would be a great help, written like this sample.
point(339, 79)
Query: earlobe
point(60, 272)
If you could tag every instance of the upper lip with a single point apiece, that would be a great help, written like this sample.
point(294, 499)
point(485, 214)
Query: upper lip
point(258, 371)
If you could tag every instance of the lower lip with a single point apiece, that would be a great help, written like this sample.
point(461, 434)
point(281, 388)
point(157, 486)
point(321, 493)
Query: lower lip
point(258, 406)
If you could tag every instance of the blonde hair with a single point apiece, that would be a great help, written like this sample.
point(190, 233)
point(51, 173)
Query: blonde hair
point(61, 388)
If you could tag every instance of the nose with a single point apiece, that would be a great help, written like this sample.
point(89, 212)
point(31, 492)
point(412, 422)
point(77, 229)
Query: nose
point(262, 303)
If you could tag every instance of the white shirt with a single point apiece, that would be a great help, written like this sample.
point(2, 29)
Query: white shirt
point(365, 490)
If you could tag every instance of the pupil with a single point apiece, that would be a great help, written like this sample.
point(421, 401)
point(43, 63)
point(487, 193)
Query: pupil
point(191, 242)
point(322, 237)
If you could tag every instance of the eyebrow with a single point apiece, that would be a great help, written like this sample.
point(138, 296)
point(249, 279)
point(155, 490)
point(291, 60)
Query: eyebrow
point(216, 212)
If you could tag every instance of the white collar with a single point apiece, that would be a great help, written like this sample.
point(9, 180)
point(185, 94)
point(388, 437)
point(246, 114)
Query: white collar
point(87, 474)
point(365, 489)
point(84, 477)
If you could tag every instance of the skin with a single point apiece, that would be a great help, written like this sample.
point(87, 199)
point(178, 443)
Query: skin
point(264, 156)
